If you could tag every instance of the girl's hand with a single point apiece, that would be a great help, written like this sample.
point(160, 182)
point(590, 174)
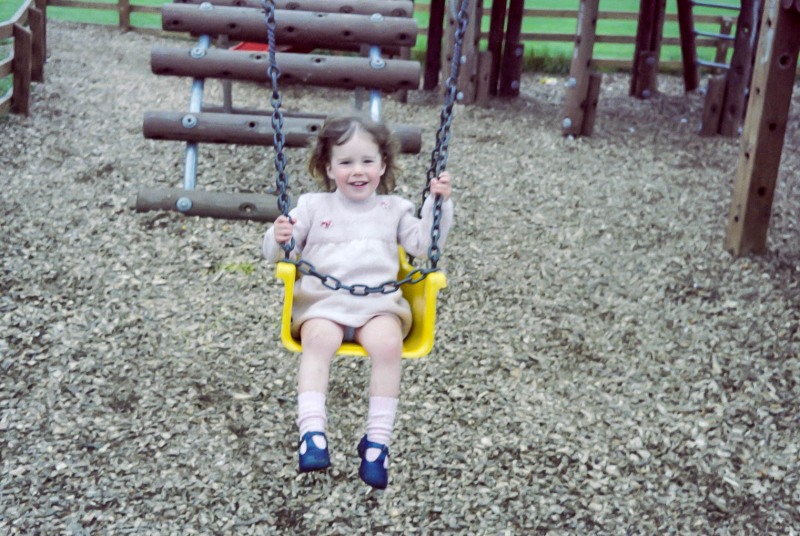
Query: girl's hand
point(283, 228)
point(442, 185)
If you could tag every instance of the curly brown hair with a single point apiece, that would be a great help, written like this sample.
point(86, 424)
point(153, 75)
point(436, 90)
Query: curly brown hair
point(338, 130)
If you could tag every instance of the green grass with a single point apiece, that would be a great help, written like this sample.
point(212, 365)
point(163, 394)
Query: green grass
point(544, 56)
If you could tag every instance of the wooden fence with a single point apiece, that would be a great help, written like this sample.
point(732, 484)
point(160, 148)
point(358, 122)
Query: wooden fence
point(26, 28)
point(125, 9)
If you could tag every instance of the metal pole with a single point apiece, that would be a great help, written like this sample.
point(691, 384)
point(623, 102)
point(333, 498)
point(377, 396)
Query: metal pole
point(376, 62)
point(195, 106)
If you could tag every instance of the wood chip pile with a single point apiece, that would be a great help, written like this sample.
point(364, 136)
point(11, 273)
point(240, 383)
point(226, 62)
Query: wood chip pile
point(602, 366)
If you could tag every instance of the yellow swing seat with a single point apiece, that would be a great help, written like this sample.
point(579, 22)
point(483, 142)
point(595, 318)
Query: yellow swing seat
point(421, 296)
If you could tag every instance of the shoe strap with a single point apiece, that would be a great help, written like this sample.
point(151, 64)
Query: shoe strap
point(309, 435)
point(372, 445)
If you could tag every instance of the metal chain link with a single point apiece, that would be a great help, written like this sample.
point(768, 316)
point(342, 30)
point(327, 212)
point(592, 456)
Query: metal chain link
point(439, 152)
point(438, 164)
point(387, 287)
point(273, 73)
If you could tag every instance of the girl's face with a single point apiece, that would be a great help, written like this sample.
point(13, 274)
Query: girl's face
point(356, 166)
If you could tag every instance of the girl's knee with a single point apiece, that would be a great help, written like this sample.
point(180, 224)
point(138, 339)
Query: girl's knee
point(321, 334)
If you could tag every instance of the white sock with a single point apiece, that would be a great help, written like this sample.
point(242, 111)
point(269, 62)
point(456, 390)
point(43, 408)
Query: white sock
point(311, 415)
point(380, 423)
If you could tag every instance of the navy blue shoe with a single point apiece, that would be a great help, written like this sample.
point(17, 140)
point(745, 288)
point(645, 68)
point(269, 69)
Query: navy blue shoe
point(376, 473)
point(311, 457)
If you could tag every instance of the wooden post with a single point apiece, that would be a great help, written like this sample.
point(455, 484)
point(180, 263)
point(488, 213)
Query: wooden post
point(688, 46)
point(468, 70)
point(36, 23)
point(510, 72)
point(644, 74)
point(124, 9)
point(483, 83)
point(764, 128)
point(712, 106)
point(576, 98)
point(329, 71)
point(592, 98)
point(495, 43)
point(723, 45)
point(21, 67)
point(741, 70)
point(433, 56)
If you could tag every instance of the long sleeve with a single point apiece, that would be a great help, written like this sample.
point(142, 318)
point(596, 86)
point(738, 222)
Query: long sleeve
point(414, 234)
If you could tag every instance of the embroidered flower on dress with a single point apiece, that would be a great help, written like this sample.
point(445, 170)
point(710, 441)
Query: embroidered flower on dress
point(385, 204)
point(325, 224)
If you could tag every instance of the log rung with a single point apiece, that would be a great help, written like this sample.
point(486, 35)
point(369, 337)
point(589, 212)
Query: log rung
point(308, 69)
point(229, 206)
point(389, 8)
point(320, 30)
point(251, 129)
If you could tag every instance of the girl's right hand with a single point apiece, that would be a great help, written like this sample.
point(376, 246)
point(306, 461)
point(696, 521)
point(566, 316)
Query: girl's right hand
point(283, 228)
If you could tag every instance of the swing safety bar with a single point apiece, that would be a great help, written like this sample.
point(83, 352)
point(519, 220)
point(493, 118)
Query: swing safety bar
point(421, 297)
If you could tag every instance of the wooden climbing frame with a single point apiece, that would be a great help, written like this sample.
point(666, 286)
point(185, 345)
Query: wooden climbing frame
point(379, 25)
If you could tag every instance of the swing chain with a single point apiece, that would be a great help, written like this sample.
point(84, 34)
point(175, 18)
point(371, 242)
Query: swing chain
point(273, 73)
point(438, 163)
point(387, 287)
point(439, 153)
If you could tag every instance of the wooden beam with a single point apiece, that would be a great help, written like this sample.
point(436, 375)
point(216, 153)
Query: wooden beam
point(21, 98)
point(468, 65)
point(310, 69)
point(744, 49)
point(228, 206)
point(36, 22)
point(495, 43)
point(433, 55)
point(688, 45)
point(644, 73)
point(712, 106)
point(576, 98)
point(328, 30)
point(764, 129)
point(511, 69)
point(389, 8)
point(251, 129)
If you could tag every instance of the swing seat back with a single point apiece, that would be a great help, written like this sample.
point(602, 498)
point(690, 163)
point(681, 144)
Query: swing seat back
point(420, 296)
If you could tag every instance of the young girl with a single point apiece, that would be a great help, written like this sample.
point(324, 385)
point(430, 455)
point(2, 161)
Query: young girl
point(351, 232)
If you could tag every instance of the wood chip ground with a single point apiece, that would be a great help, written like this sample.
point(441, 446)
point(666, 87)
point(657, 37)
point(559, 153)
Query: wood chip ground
point(602, 365)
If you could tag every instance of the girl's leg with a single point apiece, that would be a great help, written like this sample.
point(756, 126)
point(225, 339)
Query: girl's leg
point(321, 338)
point(382, 338)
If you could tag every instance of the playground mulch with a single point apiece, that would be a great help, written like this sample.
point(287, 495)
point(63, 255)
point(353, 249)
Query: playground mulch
point(602, 365)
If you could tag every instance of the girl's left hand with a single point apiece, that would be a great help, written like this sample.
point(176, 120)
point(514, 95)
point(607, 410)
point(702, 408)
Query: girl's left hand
point(442, 185)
